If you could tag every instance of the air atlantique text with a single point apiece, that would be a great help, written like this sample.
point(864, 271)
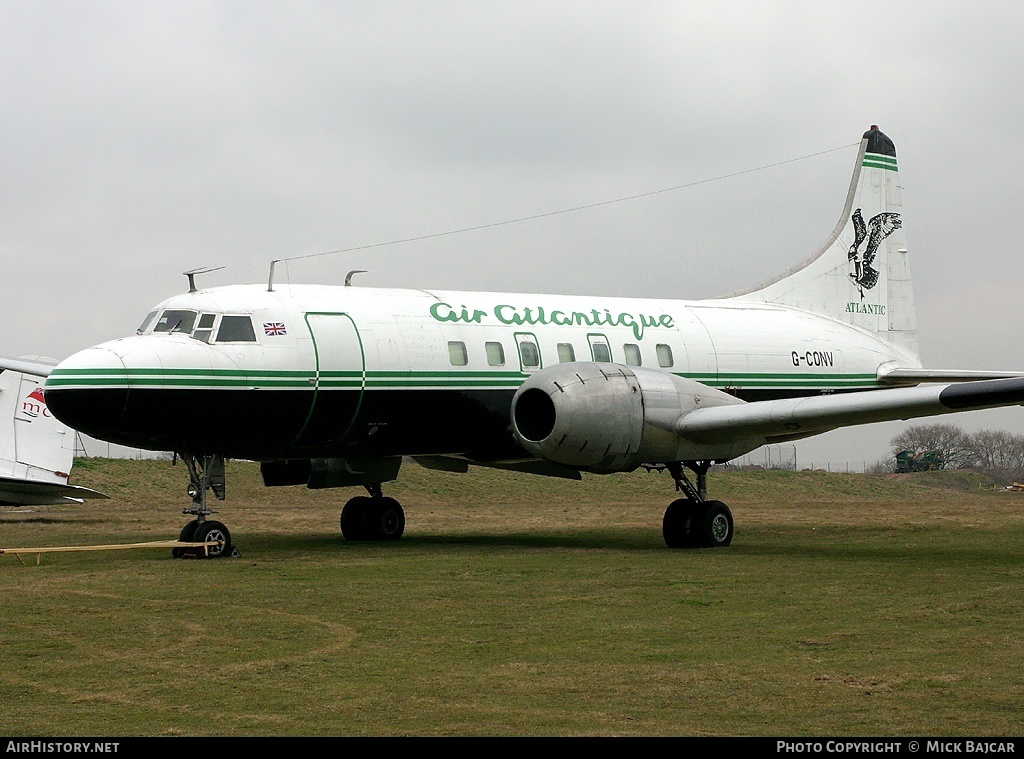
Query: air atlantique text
point(519, 316)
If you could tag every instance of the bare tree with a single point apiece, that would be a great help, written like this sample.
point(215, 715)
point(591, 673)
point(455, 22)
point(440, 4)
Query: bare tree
point(1000, 450)
point(953, 443)
point(995, 450)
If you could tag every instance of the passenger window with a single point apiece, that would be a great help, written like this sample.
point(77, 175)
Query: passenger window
point(495, 354)
point(566, 353)
point(236, 329)
point(176, 321)
point(665, 356)
point(457, 353)
point(632, 354)
point(530, 353)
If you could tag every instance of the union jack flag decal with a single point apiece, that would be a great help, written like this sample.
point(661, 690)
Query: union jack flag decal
point(274, 328)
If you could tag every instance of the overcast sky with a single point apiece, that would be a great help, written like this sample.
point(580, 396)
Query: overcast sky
point(141, 139)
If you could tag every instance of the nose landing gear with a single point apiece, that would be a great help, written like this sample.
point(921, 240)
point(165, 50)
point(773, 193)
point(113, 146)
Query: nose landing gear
point(205, 473)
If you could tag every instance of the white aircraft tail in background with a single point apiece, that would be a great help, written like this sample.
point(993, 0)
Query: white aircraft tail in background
point(36, 450)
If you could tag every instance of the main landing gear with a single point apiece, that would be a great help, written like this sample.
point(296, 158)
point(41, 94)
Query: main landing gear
point(694, 521)
point(204, 474)
point(373, 517)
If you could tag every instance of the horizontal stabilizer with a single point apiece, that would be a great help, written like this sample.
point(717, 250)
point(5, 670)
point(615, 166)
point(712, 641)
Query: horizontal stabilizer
point(904, 376)
point(798, 417)
point(35, 368)
point(15, 491)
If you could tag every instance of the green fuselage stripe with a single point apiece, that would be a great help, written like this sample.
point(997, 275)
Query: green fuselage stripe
point(304, 380)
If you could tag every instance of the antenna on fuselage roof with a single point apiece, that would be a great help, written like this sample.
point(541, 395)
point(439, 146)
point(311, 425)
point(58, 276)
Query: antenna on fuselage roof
point(191, 274)
point(270, 281)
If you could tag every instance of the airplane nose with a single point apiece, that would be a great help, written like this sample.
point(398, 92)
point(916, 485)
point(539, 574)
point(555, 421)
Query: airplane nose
point(88, 391)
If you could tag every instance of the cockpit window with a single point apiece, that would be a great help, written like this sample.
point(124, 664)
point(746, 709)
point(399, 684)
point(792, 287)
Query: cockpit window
point(146, 323)
point(176, 321)
point(205, 327)
point(236, 329)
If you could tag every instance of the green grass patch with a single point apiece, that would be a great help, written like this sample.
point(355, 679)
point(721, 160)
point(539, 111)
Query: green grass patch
point(848, 604)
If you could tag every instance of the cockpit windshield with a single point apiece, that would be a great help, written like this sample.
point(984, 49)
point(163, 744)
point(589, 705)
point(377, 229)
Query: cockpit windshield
point(176, 321)
point(229, 328)
point(146, 323)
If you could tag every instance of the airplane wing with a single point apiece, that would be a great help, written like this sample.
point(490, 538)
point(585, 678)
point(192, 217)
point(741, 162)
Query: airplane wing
point(35, 368)
point(533, 466)
point(797, 417)
point(21, 492)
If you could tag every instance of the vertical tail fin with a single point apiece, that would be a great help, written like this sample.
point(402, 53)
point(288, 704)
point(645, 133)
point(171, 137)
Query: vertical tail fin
point(36, 450)
point(861, 275)
point(33, 444)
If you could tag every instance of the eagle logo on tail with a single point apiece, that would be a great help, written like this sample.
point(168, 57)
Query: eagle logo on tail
point(864, 275)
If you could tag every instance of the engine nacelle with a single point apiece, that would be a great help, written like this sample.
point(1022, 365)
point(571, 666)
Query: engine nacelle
point(613, 418)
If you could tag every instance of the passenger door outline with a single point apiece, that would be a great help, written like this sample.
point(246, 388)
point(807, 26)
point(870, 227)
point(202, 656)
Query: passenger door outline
point(336, 343)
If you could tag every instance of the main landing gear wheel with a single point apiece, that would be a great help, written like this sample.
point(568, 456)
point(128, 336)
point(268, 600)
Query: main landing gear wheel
point(694, 524)
point(372, 518)
point(388, 519)
point(352, 517)
point(678, 522)
point(714, 525)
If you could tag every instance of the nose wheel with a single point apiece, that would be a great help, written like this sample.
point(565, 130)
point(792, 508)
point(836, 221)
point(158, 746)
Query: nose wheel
point(205, 473)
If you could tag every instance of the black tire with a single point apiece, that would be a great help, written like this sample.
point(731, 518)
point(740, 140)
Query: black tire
point(715, 526)
point(187, 535)
point(678, 524)
point(388, 519)
point(353, 518)
point(213, 531)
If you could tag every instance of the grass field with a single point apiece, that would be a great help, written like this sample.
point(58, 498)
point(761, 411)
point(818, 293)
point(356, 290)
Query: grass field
point(848, 604)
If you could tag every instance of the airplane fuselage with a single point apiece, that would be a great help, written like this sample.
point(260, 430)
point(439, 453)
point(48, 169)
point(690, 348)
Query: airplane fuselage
point(322, 371)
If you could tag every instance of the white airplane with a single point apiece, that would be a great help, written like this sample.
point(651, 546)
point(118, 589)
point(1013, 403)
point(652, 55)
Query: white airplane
point(36, 450)
point(334, 386)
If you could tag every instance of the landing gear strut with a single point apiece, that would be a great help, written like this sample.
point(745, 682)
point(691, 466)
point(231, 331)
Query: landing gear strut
point(373, 517)
point(694, 521)
point(204, 473)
